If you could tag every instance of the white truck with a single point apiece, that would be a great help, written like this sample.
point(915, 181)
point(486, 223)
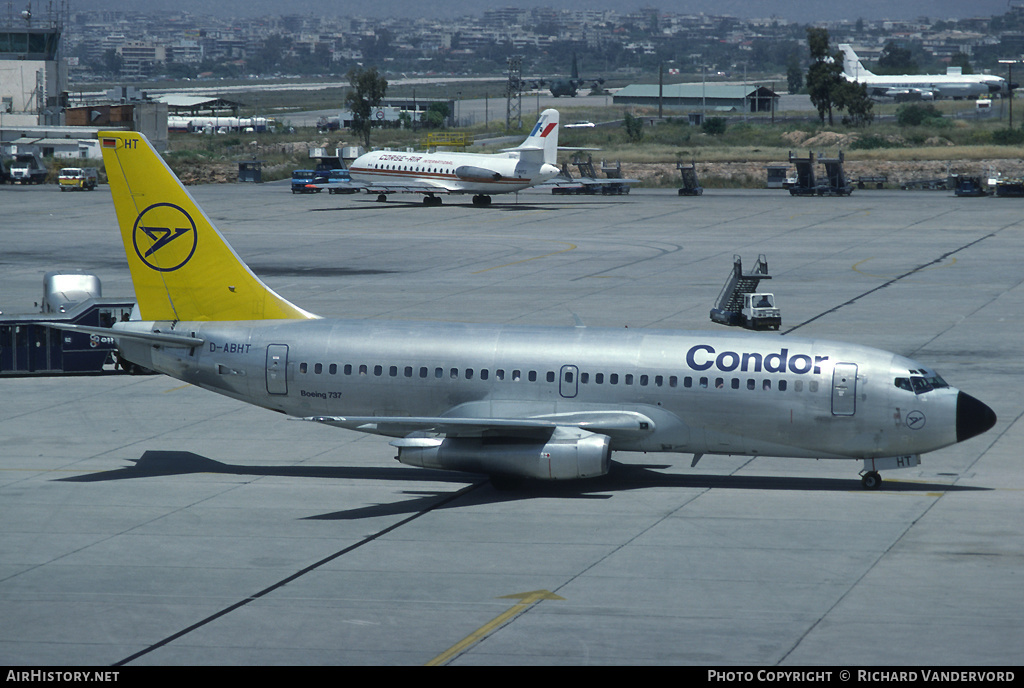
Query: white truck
point(28, 168)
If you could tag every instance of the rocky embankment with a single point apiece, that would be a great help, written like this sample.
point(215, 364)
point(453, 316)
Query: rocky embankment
point(753, 174)
point(900, 169)
point(738, 174)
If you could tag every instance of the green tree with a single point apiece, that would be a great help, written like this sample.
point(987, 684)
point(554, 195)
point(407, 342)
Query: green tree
point(853, 98)
point(916, 114)
point(368, 89)
point(437, 115)
point(963, 61)
point(825, 75)
point(794, 74)
point(634, 128)
point(112, 62)
point(714, 126)
point(896, 60)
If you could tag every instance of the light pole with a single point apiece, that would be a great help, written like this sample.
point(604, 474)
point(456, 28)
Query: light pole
point(1009, 84)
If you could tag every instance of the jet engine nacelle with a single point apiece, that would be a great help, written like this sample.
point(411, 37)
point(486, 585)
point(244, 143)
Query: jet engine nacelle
point(479, 174)
point(568, 454)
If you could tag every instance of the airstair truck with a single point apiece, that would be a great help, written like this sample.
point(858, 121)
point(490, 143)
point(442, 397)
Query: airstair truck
point(740, 303)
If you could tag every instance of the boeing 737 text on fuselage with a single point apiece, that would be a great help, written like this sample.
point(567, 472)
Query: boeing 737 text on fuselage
point(503, 400)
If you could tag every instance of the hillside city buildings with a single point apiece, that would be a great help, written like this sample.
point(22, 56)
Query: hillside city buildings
point(48, 62)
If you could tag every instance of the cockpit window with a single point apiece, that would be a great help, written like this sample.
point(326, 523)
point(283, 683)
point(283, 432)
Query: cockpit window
point(920, 382)
point(920, 385)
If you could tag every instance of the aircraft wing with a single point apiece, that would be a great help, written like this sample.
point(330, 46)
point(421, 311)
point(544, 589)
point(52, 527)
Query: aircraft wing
point(610, 180)
point(411, 186)
point(614, 423)
point(584, 181)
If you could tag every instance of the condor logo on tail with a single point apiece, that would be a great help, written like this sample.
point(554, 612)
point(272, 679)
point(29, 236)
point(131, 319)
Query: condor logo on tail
point(163, 224)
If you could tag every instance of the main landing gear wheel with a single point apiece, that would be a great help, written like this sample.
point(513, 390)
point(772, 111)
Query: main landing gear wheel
point(481, 200)
point(871, 480)
point(382, 198)
point(431, 200)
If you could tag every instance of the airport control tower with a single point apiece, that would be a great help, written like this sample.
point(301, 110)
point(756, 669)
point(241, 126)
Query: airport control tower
point(33, 77)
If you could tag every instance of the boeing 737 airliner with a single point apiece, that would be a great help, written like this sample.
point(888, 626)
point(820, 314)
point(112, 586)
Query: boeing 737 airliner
point(507, 401)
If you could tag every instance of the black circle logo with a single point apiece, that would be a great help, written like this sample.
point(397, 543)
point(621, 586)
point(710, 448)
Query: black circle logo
point(915, 420)
point(165, 237)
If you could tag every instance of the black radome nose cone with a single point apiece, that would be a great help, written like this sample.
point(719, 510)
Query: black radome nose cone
point(972, 417)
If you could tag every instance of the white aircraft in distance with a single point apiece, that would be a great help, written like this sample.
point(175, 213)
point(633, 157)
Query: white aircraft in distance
point(952, 84)
point(513, 402)
point(531, 163)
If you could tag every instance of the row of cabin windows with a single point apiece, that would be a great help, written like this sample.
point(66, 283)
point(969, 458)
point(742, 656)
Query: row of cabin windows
point(550, 376)
point(413, 168)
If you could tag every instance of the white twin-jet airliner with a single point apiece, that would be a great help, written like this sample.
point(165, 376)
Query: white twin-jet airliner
point(513, 402)
point(482, 174)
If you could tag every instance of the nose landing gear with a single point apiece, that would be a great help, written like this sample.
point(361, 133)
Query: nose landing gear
point(871, 480)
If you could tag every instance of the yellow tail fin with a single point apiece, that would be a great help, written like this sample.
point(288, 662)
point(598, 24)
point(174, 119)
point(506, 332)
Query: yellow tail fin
point(181, 266)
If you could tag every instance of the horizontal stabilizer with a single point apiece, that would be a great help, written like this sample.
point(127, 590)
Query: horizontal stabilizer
point(161, 338)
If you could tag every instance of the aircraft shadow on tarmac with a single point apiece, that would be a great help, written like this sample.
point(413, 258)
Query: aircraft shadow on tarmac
point(496, 207)
point(621, 477)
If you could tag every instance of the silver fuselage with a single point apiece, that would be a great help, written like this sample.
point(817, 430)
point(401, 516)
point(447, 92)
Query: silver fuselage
point(725, 393)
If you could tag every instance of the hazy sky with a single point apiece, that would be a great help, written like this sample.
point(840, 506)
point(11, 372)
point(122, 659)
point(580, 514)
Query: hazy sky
point(799, 10)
